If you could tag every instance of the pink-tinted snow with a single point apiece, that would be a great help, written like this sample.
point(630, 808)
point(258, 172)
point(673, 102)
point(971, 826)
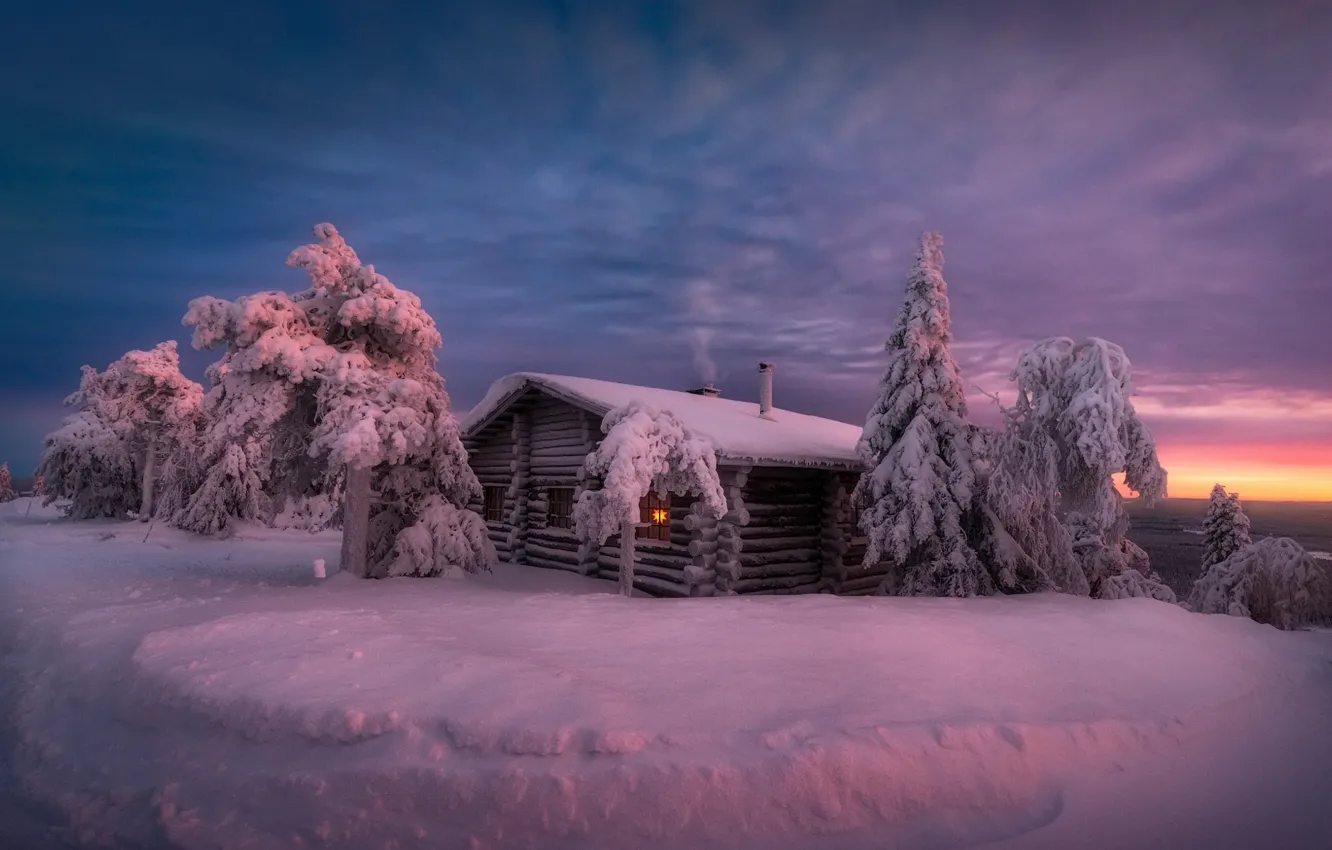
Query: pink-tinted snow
point(735, 427)
point(212, 694)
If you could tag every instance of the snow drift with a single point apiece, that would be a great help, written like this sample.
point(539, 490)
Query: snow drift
point(210, 694)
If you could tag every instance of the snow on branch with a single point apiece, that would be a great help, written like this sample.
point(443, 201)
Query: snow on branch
point(1272, 581)
point(1225, 527)
point(645, 450)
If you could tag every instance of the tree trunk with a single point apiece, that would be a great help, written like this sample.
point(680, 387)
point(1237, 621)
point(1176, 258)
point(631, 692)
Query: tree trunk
point(356, 522)
point(149, 476)
point(626, 559)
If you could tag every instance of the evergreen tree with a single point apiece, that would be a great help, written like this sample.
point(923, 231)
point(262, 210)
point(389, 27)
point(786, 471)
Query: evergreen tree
point(106, 457)
point(7, 493)
point(920, 482)
point(1052, 488)
point(332, 394)
point(1225, 528)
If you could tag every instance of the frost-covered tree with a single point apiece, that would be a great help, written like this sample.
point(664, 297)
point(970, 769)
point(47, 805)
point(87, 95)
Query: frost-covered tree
point(334, 391)
point(7, 493)
point(919, 487)
point(1225, 527)
point(1272, 581)
point(644, 450)
point(106, 457)
point(1070, 431)
point(38, 486)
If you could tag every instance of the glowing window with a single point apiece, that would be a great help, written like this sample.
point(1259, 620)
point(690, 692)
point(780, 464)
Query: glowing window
point(656, 513)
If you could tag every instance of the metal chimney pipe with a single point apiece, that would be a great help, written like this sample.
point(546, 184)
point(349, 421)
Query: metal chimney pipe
point(765, 390)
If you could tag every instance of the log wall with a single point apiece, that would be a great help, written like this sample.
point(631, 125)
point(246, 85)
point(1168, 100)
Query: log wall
point(490, 454)
point(780, 546)
point(848, 575)
point(785, 530)
point(561, 439)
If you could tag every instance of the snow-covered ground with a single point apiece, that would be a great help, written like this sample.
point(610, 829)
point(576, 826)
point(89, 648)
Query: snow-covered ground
point(195, 693)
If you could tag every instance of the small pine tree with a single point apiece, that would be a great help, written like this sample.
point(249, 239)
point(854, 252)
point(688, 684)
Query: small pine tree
point(1225, 528)
point(39, 485)
point(7, 493)
point(920, 480)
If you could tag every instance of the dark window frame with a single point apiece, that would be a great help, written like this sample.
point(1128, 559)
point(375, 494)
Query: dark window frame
point(559, 510)
point(494, 502)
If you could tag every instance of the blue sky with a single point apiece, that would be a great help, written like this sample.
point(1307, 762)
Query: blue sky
point(601, 188)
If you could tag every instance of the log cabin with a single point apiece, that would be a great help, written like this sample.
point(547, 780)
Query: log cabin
point(790, 526)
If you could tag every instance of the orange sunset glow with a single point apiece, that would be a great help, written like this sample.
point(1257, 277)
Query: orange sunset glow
point(1256, 472)
point(1266, 445)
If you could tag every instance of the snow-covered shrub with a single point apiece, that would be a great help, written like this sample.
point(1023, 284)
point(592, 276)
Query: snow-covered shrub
point(1071, 429)
point(1225, 527)
point(1272, 581)
point(312, 513)
point(317, 389)
point(1134, 584)
point(443, 539)
point(7, 493)
point(107, 458)
point(920, 481)
point(644, 450)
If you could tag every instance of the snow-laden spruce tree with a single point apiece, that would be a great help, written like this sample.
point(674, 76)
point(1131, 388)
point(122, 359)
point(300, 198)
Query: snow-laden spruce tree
point(644, 450)
point(106, 458)
point(1272, 581)
point(1070, 431)
point(919, 487)
point(1225, 527)
point(334, 391)
point(38, 486)
point(7, 493)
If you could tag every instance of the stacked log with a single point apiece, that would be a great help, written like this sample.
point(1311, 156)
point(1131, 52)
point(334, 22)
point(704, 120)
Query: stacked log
point(559, 442)
point(725, 565)
point(587, 549)
point(660, 564)
point(836, 515)
point(857, 579)
point(521, 468)
point(490, 454)
point(780, 548)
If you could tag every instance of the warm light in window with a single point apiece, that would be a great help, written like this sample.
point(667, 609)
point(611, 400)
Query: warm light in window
point(659, 516)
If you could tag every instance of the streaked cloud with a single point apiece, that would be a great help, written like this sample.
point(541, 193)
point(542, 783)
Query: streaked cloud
point(559, 182)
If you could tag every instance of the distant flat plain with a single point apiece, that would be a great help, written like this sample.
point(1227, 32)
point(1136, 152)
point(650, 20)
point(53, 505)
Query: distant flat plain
point(1170, 531)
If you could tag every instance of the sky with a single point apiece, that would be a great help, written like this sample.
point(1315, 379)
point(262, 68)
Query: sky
point(662, 193)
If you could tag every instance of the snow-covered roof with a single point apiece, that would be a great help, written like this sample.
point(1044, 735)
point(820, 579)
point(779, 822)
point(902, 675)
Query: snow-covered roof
point(788, 439)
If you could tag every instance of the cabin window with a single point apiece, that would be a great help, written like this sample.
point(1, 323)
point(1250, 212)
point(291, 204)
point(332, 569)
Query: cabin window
point(655, 514)
point(495, 503)
point(560, 512)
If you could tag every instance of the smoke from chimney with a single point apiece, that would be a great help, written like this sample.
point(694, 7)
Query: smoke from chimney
point(703, 309)
point(765, 390)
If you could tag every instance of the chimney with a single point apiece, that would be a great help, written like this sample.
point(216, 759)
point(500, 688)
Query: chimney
point(710, 391)
point(765, 390)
